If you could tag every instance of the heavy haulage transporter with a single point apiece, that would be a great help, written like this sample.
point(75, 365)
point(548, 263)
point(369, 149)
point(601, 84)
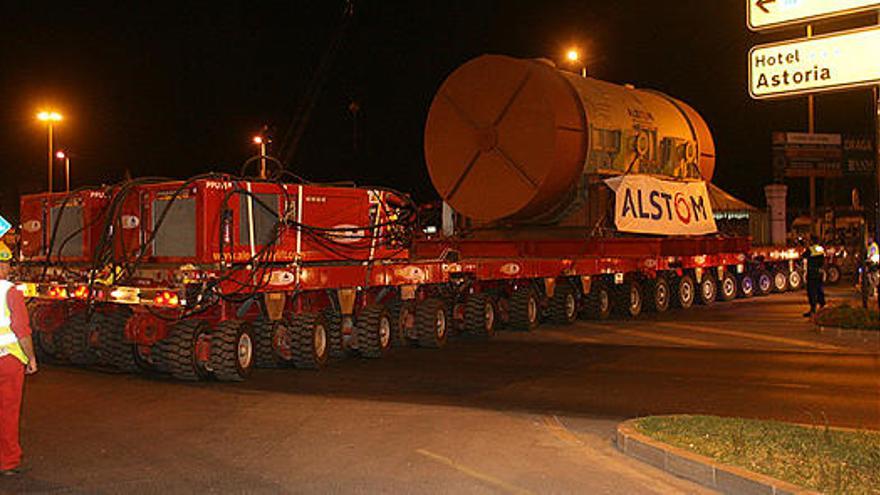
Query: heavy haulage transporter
point(211, 276)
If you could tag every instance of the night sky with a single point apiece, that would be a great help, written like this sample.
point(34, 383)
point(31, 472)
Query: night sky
point(174, 89)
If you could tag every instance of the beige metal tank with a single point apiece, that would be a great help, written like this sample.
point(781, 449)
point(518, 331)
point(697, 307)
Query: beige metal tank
point(514, 140)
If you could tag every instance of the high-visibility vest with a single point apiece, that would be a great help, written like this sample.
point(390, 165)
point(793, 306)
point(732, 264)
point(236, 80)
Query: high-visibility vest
point(8, 341)
point(817, 250)
point(873, 253)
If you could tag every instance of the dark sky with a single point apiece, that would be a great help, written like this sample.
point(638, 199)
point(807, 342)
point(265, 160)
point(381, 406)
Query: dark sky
point(173, 89)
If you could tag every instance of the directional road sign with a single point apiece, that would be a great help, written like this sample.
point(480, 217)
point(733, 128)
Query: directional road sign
point(773, 14)
point(848, 59)
point(4, 226)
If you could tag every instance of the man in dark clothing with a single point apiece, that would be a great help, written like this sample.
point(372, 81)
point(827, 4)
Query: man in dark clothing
point(815, 256)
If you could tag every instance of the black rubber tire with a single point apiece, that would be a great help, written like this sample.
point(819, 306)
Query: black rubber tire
point(763, 282)
point(563, 309)
point(658, 295)
point(833, 274)
point(795, 280)
point(432, 323)
point(309, 338)
point(176, 353)
point(745, 286)
point(46, 346)
point(597, 304)
point(707, 290)
point(727, 287)
point(232, 350)
point(402, 315)
point(75, 341)
point(115, 350)
point(480, 316)
point(627, 299)
point(335, 337)
point(268, 337)
point(373, 331)
point(523, 310)
point(684, 292)
point(780, 281)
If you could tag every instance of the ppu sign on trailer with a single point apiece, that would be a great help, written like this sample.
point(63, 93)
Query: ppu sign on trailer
point(646, 205)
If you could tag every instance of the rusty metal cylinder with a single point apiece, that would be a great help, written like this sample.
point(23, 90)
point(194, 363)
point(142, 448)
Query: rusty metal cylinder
point(509, 139)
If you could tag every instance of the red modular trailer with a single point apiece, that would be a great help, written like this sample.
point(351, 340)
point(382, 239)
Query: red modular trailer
point(211, 276)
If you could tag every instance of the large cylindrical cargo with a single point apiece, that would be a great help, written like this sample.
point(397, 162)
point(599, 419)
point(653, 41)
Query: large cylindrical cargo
point(516, 140)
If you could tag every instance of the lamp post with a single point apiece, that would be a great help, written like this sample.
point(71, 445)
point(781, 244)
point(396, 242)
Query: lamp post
point(573, 56)
point(261, 141)
point(50, 118)
point(61, 155)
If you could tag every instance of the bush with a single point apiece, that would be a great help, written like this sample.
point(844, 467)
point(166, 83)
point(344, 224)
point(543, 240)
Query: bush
point(846, 316)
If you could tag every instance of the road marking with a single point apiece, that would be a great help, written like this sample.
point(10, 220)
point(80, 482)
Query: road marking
point(473, 473)
point(665, 338)
point(754, 336)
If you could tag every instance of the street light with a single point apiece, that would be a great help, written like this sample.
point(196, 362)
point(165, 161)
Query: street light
point(261, 142)
point(61, 155)
point(50, 117)
point(573, 57)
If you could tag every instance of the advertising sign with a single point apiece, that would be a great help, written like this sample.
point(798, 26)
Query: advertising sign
point(646, 205)
point(823, 63)
point(858, 155)
point(772, 14)
point(797, 154)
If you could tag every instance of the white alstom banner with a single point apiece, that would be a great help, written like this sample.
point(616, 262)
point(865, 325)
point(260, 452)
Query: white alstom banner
point(646, 205)
point(837, 61)
point(771, 14)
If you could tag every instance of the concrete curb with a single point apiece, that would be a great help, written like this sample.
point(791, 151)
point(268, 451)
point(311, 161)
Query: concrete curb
point(866, 336)
point(697, 468)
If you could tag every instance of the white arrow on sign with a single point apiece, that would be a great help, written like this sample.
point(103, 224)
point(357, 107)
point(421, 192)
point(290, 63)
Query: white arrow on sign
point(772, 14)
point(824, 63)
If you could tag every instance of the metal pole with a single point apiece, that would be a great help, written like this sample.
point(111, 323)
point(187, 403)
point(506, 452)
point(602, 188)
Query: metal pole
point(877, 161)
point(67, 174)
point(811, 128)
point(51, 157)
point(263, 158)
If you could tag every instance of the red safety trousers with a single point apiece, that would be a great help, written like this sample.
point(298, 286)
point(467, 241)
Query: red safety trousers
point(11, 385)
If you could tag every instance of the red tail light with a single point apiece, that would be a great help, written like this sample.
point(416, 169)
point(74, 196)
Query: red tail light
point(166, 298)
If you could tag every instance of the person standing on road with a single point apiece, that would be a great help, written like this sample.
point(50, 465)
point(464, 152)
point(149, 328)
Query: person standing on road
point(815, 256)
point(16, 358)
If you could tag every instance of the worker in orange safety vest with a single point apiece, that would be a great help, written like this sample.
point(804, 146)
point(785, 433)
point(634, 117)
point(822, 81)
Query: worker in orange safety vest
point(16, 358)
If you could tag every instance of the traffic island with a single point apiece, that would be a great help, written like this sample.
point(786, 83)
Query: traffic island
point(743, 456)
point(850, 322)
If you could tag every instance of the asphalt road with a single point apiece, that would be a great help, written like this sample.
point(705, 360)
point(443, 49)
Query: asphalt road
point(523, 413)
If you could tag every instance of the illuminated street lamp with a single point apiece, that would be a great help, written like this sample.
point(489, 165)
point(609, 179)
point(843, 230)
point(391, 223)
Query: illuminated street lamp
point(261, 142)
point(61, 155)
point(50, 118)
point(573, 57)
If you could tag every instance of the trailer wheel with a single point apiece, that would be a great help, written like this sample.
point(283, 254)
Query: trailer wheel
point(685, 292)
point(373, 331)
point(432, 323)
point(708, 290)
point(780, 281)
point(763, 283)
point(232, 350)
point(523, 310)
point(77, 339)
point(479, 315)
point(115, 350)
point(658, 294)
point(335, 337)
point(402, 315)
point(833, 274)
point(795, 280)
point(176, 353)
point(46, 346)
point(272, 344)
point(627, 299)
point(563, 305)
point(308, 338)
point(727, 287)
point(597, 304)
point(746, 286)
